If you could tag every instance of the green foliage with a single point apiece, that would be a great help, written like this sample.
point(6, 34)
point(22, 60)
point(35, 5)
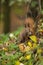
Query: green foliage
point(12, 55)
point(3, 38)
point(12, 46)
point(16, 33)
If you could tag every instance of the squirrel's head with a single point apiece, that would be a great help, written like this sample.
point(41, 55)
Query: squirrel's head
point(30, 24)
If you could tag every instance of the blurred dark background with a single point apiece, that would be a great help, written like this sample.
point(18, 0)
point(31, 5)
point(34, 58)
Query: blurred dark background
point(14, 12)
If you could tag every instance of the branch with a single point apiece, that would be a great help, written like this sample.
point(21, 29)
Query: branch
point(39, 4)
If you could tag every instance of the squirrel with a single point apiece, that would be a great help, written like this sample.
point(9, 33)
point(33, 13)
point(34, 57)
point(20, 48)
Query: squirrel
point(29, 29)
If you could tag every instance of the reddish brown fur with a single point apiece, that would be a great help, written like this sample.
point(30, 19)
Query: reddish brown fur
point(28, 30)
point(29, 22)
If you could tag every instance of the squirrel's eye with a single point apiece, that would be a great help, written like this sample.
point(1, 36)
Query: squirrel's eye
point(28, 25)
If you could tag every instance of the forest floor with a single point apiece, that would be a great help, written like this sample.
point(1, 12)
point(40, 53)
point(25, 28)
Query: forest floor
point(28, 53)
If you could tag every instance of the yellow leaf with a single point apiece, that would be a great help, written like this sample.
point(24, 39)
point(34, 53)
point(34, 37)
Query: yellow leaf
point(28, 57)
point(17, 63)
point(29, 44)
point(33, 38)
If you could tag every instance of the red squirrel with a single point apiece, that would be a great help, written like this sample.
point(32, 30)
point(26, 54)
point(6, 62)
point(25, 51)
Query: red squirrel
point(29, 27)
